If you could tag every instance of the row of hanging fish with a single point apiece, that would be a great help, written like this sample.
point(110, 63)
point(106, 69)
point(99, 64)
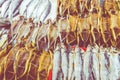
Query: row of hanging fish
point(40, 10)
point(25, 62)
point(77, 7)
point(47, 35)
point(93, 64)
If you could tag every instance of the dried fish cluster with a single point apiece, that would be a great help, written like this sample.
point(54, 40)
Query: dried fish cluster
point(40, 36)
point(94, 64)
point(39, 10)
point(25, 62)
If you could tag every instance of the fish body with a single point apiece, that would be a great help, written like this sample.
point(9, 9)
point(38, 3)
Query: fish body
point(114, 66)
point(56, 63)
point(31, 8)
point(78, 63)
point(33, 37)
point(53, 12)
point(3, 40)
point(4, 8)
point(42, 7)
point(23, 6)
point(1, 2)
point(64, 61)
point(96, 63)
point(86, 64)
point(46, 11)
point(13, 7)
point(71, 65)
point(103, 68)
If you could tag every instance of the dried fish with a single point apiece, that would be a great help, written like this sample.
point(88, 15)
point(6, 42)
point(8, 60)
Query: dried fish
point(56, 63)
point(95, 55)
point(31, 7)
point(87, 62)
point(53, 11)
point(46, 11)
point(9, 67)
point(14, 5)
point(33, 36)
point(71, 65)
point(114, 24)
point(114, 65)
point(64, 61)
point(23, 6)
point(103, 65)
point(1, 2)
point(3, 40)
point(4, 8)
point(45, 62)
point(41, 8)
point(78, 63)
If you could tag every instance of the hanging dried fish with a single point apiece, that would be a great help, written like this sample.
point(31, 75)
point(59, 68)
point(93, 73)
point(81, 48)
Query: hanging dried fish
point(104, 27)
point(87, 64)
point(95, 59)
point(94, 21)
point(4, 8)
point(23, 63)
point(41, 8)
point(3, 56)
point(103, 65)
point(53, 11)
point(78, 63)
point(114, 24)
point(46, 11)
point(71, 74)
point(33, 67)
point(114, 65)
point(3, 40)
point(64, 61)
point(9, 68)
point(45, 63)
point(33, 36)
point(14, 5)
point(23, 7)
point(56, 63)
point(31, 7)
point(2, 2)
